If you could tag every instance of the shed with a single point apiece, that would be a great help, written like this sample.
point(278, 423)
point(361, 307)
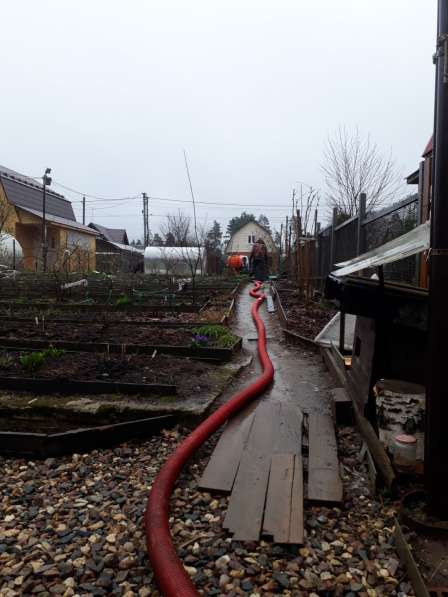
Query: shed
point(114, 253)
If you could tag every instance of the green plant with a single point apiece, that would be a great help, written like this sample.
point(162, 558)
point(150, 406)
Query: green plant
point(32, 361)
point(122, 300)
point(220, 336)
point(53, 353)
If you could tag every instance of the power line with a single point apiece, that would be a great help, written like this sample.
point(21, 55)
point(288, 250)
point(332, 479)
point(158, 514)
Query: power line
point(169, 200)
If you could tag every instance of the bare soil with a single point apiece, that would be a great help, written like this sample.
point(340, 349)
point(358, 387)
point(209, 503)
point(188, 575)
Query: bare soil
point(109, 332)
point(307, 318)
point(186, 374)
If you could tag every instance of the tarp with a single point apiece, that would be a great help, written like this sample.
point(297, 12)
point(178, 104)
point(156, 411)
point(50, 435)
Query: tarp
point(411, 243)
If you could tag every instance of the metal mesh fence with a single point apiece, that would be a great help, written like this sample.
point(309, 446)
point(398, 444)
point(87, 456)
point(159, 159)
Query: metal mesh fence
point(387, 228)
point(377, 230)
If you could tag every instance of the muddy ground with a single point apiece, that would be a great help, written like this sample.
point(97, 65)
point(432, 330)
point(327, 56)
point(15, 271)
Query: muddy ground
point(306, 318)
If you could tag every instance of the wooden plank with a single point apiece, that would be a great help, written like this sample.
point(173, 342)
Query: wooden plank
point(277, 513)
point(288, 435)
point(283, 517)
point(246, 506)
point(220, 472)
point(296, 519)
point(324, 482)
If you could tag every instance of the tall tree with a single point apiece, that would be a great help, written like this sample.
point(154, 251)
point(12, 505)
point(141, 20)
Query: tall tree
point(263, 221)
point(353, 165)
point(157, 240)
point(238, 221)
point(170, 241)
point(214, 236)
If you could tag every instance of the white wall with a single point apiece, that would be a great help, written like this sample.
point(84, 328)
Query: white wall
point(243, 240)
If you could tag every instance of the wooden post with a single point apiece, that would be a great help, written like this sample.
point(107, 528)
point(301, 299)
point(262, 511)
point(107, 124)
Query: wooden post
point(436, 445)
point(360, 243)
point(332, 240)
point(299, 272)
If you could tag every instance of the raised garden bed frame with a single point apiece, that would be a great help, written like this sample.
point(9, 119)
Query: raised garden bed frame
point(43, 445)
point(284, 322)
point(43, 385)
point(221, 355)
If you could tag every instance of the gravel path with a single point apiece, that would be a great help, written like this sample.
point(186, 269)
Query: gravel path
point(73, 526)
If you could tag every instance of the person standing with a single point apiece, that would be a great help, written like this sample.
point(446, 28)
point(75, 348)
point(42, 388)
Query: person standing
point(259, 260)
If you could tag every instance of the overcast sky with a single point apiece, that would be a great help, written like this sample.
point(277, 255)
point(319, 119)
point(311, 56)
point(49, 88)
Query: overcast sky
point(108, 94)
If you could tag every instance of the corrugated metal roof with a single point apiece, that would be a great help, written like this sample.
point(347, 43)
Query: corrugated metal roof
point(62, 221)
point(21, 192)
point(411, 243)
point(129, 248)
point(113, 235)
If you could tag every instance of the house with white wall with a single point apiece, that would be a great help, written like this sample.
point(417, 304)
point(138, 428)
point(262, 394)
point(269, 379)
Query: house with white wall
point(242, 241)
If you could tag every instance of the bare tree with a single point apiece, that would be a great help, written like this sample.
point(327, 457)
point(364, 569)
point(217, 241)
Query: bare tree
point(177, 226)
point(309, 203)
point(354, 165)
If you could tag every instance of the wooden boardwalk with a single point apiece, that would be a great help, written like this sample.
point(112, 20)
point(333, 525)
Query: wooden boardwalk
point(258, 459)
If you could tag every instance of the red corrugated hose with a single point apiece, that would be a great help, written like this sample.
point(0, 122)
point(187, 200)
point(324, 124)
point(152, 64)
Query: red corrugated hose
point(171, 577)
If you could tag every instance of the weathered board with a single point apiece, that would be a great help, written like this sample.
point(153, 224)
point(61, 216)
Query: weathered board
point(283, 517)
point(324, 481)
point(219, 474)
point(246, 506)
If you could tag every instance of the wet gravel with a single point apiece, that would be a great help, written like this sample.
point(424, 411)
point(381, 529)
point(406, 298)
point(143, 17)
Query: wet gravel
point(73, 526)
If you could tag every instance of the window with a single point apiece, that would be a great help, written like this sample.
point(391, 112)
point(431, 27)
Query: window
point(249, 239)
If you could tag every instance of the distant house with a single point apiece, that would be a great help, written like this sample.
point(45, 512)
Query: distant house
point(242, 241)
point(70, 245)
point(114, 253)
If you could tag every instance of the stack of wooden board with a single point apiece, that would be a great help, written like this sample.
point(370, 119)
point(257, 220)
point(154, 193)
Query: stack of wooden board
point(258, 459)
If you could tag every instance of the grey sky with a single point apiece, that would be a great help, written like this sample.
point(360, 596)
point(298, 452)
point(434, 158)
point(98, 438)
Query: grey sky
point(109, 93)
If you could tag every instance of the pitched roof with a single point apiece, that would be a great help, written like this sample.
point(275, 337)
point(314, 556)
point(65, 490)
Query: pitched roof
point(113, 235)
point(251, 222)
point(25, 192)
point(62, 221)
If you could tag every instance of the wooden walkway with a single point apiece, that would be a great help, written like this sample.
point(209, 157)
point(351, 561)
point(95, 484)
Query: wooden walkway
point(258, 460)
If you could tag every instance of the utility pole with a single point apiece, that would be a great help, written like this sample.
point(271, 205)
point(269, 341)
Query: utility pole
point(145, 212)
point(84, 211)
point(46, 180)
point(436, 447)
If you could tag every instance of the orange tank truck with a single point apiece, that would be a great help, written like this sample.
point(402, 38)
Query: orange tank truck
point(237, 263)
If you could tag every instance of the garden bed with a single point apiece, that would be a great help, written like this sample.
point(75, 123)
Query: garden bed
point(210, 312)
point(206, 342)
point(304, 318)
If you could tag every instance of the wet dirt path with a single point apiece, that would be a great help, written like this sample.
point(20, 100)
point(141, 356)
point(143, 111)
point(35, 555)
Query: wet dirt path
point(300, 375)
